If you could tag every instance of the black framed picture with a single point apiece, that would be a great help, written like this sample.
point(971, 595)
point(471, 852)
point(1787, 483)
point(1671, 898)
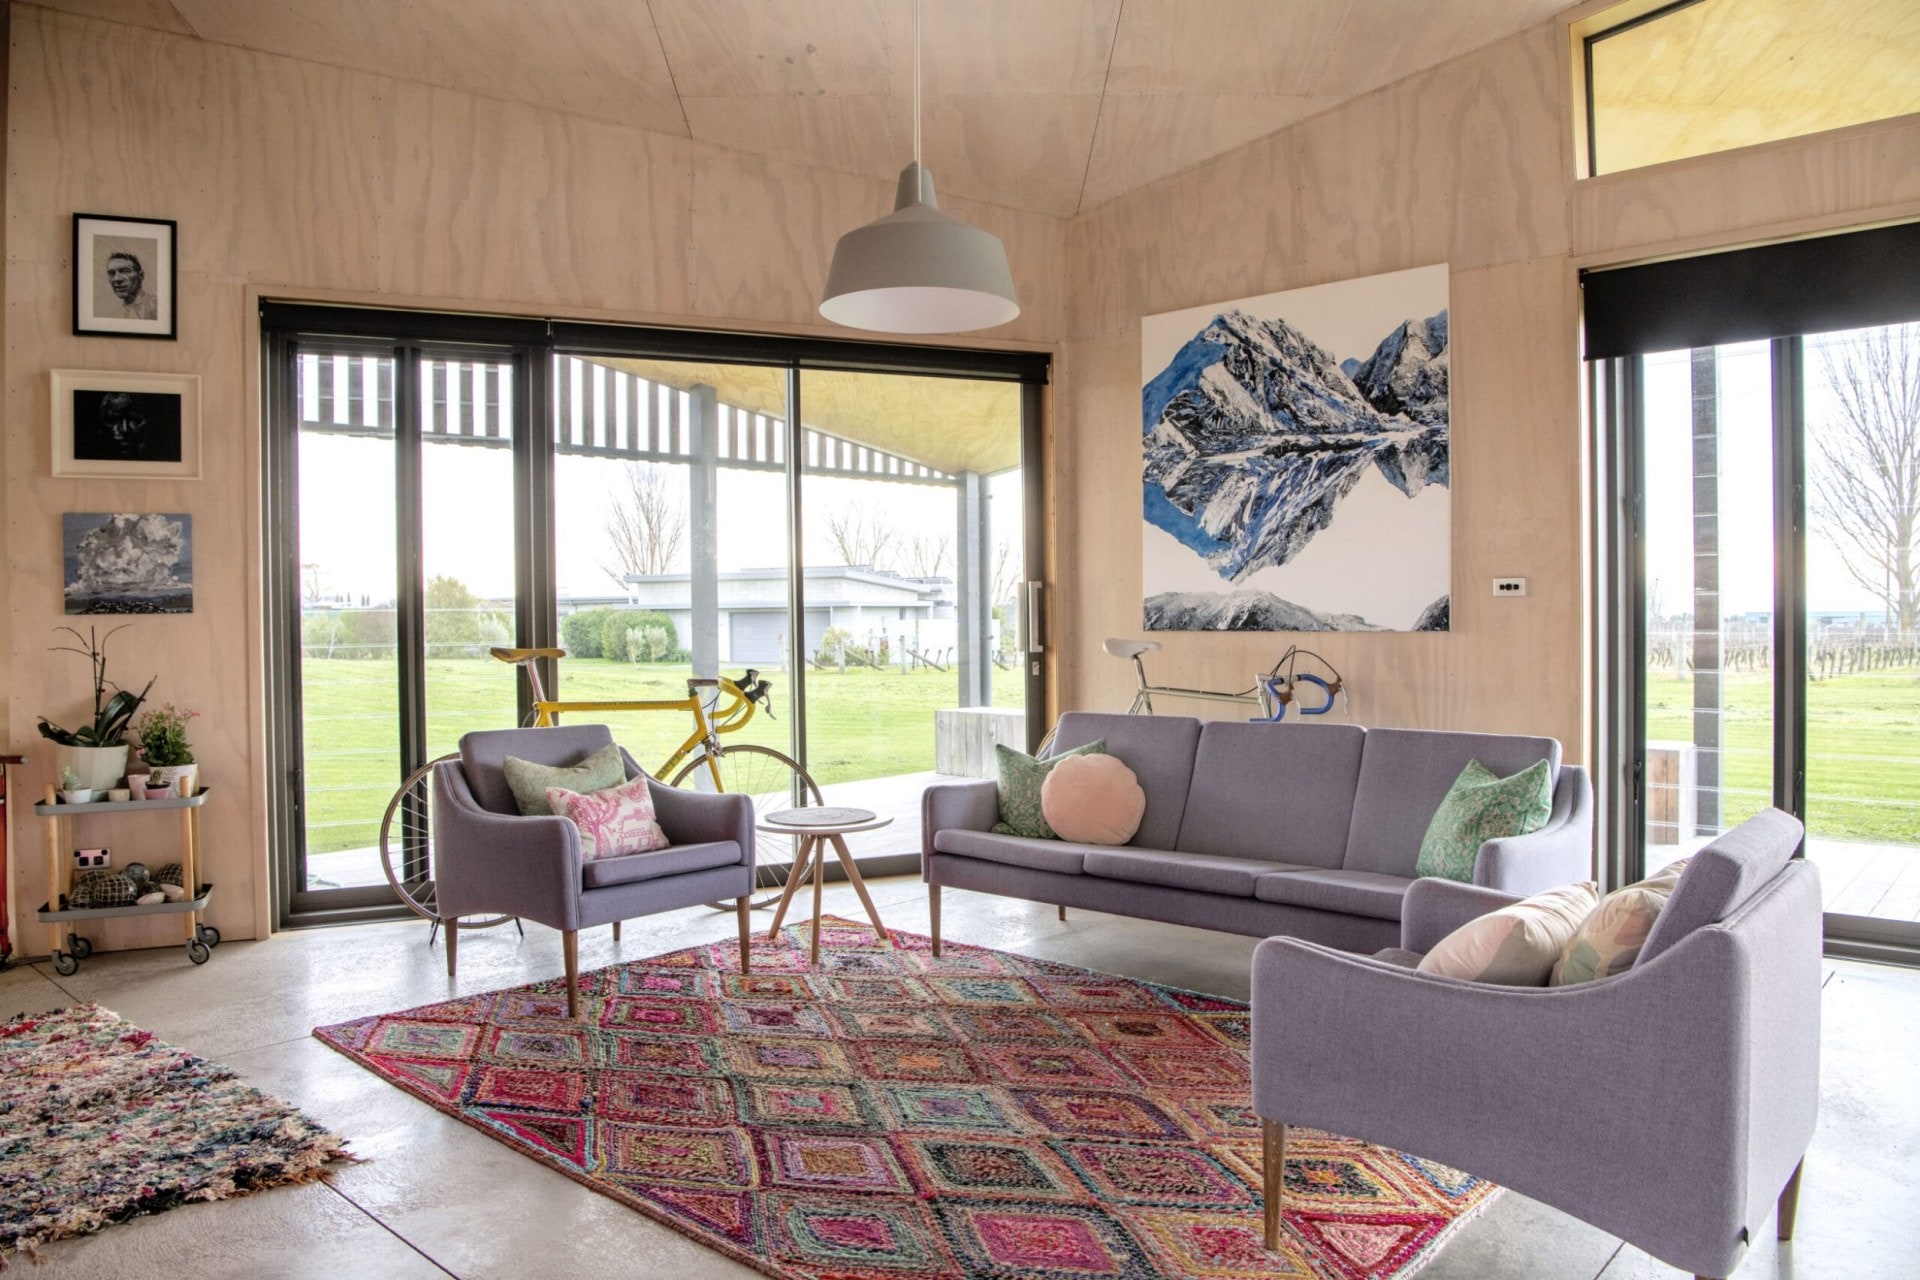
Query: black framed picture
point(144, 425)
point(125, 276)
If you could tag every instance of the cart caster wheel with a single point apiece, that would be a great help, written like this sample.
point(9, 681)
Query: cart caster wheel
point(209, 935)
point(198, 951)
point(65, 965)
point(79, 946)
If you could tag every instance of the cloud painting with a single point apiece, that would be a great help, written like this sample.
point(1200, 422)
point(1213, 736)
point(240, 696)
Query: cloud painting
point(128, 563)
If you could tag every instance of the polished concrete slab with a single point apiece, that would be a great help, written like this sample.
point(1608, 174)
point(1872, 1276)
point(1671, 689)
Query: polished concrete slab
point(433, 1197)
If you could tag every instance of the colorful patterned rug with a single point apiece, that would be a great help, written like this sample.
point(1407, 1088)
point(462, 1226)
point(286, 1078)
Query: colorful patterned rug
point(101, 1122)
point(889, 1115)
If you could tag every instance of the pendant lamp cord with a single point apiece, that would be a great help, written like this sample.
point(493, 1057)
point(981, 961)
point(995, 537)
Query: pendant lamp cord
point(916, 82)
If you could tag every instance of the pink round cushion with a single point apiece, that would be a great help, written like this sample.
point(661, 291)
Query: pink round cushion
point(1092, 800)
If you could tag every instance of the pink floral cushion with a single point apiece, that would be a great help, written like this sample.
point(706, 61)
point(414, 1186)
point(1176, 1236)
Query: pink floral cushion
point(612, 823)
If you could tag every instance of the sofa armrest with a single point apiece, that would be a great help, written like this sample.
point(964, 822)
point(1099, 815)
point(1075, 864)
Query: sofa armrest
point(1524, 1085)
point(1559, 853)
point(956, 806)
point(1434, 908)
point(696, 817)
point(495, 862)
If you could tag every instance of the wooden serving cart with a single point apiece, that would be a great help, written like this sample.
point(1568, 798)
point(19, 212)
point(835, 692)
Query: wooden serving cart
point(58, 916)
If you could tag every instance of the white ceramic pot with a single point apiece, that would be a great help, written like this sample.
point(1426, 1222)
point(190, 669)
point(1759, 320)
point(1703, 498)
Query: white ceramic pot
point(171, 774)
point(98, 768)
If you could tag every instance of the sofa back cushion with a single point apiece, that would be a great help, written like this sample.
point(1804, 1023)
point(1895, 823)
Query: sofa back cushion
point(1722, 876)
point(1405, 774)
point(1280, 792)
point(1159, 750)
point(483, 755)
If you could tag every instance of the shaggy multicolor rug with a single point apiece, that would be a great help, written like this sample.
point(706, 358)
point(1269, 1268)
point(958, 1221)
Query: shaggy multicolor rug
point(892, 1115)
point(101, 1122)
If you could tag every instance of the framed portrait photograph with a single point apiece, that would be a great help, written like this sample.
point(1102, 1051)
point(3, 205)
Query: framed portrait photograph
point(138, 425)
point(124, 276)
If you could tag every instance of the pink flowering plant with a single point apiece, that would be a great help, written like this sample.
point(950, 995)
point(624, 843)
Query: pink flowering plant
point(162, 731)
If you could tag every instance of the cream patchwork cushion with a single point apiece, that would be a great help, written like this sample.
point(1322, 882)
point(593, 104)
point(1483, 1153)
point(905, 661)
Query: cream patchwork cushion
point(1515, 946)
point(1608, 941)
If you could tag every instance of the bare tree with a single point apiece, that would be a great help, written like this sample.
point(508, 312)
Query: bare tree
point(1006, 573)
point(647, 526)
point(926, 554)
point(1867, 487)
point(861, 535)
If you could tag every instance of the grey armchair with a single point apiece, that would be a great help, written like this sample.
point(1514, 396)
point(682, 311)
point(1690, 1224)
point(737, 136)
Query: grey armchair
point(1669, 1105)
point(489, 859)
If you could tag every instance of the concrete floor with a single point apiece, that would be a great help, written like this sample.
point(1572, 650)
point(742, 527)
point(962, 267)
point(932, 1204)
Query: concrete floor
point(436, 1198)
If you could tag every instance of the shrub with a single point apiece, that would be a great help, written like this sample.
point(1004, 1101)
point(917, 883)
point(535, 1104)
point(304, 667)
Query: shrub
point(651, 643)
point(617, 622)
point(580, 632)
point(367, 633)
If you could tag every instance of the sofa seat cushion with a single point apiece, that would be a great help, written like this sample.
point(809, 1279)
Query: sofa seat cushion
point(1061, 856)
point(1399, 957)
point(674, 860)
point(1354, 893)
point(1199, 872)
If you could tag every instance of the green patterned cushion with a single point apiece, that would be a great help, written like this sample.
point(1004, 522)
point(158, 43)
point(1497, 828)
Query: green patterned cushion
point(1483, 806)
point(529, 781)
point(1020, 779)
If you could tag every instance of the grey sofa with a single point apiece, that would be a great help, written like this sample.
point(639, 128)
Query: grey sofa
point(490, 860)
point(1669, 1105)
point(1311, 831)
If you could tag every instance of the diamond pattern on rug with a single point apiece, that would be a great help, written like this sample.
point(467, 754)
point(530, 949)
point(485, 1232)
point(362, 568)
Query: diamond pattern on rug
point(892, 1116)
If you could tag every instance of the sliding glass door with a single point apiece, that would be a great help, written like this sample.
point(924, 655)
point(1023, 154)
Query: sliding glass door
point(852, 522)
point(1770, 593)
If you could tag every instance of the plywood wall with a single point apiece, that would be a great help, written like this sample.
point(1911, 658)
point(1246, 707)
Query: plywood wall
point(294, 179)
point(1467, 164)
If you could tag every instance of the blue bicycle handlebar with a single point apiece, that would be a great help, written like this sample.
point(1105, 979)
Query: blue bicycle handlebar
point(1282, 695)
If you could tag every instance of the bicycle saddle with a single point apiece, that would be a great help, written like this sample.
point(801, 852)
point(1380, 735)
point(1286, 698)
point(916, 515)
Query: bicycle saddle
point(1130, 648)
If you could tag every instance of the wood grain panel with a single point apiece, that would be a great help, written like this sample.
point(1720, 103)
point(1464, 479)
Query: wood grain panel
point(598, 58)
point(1226, 46)
point(1143, 137)
point(201, 657)
point(157, 14)
point(495, 201)
point(1870, 171)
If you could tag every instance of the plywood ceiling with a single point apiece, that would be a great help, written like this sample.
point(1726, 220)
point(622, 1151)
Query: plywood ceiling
point(1048, 105)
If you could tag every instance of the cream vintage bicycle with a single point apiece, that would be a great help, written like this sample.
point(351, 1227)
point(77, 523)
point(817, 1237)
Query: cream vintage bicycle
point(714, 707)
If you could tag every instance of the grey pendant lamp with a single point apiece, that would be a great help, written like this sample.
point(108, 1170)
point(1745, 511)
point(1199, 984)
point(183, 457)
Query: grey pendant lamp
point(919, 270)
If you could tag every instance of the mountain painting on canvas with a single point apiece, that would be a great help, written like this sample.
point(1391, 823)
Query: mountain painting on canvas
point(1296, 460)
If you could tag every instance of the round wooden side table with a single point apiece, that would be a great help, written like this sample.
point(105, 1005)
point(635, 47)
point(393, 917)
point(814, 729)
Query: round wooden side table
point(817, 828)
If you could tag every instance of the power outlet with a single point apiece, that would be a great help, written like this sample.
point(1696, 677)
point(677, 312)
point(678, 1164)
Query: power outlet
point(1509, 586)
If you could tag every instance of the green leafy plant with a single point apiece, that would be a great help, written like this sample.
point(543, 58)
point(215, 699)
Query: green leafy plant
point(69, 780)
point(111, 715)
point(162, 732)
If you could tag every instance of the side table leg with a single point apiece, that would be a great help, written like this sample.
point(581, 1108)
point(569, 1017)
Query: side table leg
point(860, 887)
point(186, 868)
point(796, 874)
point(819, 878)
point(55, 884)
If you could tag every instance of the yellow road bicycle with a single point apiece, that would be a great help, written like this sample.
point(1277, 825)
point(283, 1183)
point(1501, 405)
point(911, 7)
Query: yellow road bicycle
point(704, 762)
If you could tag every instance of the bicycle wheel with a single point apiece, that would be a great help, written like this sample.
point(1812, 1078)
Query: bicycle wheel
point(406, 847)
point(775, 781)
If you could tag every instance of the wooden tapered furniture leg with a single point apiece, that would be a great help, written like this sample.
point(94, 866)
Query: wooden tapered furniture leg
point(1063, 911)
point(452, 927)
point(933, 913)
point(819, 883)
point(1273, 1155)
point(859, 887)
point(616, 931)
point(570, 947)
point(743, 908)
point(796, 874)
point(1790, 1201)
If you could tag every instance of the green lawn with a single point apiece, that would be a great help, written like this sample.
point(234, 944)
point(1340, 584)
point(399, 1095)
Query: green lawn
point(1863, 748)
point(861, 724)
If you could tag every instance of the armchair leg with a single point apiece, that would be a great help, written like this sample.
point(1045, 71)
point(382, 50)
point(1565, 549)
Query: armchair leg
point(1273, 1158)
point(570, 948)
point(933, 912)
point(616, 931)
point(743, 908)
point(453, 943)
point(1063, 911)
point(1790, 1201)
